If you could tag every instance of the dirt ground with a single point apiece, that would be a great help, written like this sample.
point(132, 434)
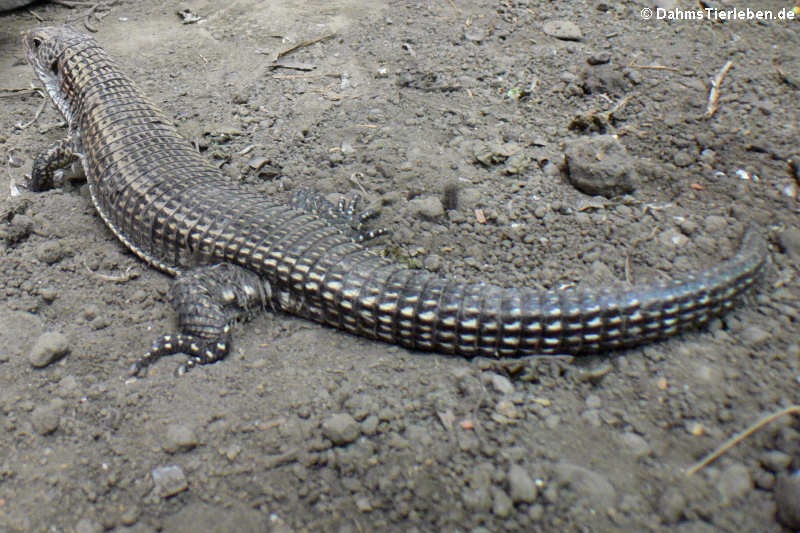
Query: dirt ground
point(461, 104)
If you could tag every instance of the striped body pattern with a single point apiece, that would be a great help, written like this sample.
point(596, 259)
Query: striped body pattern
point(179, 213)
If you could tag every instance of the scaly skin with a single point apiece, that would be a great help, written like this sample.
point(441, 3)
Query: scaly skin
point(181, 215)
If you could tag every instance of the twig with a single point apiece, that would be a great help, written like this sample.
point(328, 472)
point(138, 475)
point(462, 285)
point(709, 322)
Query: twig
point(35, 116)
point(127, 276)
point(5, 93)
point(291, 49)
point(654, 67)
point(736, 439)
point(713, 94)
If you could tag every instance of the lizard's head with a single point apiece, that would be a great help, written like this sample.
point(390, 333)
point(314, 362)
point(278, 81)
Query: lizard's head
point(47, 50)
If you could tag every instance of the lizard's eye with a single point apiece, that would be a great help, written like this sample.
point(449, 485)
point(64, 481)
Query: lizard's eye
point(36, 42)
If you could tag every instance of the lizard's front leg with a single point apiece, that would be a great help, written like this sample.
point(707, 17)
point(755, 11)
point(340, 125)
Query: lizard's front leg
point(207, 299)
point(59, 156)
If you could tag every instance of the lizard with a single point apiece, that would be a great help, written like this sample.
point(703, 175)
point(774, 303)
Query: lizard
point(233, 252)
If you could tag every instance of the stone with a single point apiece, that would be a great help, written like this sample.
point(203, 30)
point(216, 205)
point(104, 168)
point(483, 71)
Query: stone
point(49, 347)
point(565, 30)
point(787, 500)
point(734, 481)
point(591, 485)
point(600, 165)
point(168, 480)
point(340, 429)
point(521, 486)
point(179, 438)
point(426, 207)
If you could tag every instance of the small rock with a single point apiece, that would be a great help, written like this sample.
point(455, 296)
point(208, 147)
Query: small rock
point(593, 486)
point(635, 443)
point(789, 242)
point(552, 421)
point(169, 480)
point(673, 238)
point(468, 198)
point(195, 517)
point(682, 158)
point(50, 252)
point(600, 165)
point(776, 460)
point(787, 500)
point(179, 438)
point(363, 504)
point(521, 486)
point(49, 347)
point(565, 30)
point(593, 401)
point(87, 525)
point(502, 384)
point(433, 262)
point(474, 33)
point(734, 481)
point(45, 418)
point(478, 500)
point(708, 156)
point(715, 223)
point(600, 58)
point(754, 335)
point(340, 429)
point(671, 505)
point(426, 207)
point(370, 425)
point(501, 503)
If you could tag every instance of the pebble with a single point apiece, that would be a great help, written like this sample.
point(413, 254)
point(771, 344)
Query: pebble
point(591, 485)
point(426, 207)
point(708, 156)
point(635, 444)
point(673, 238)
point(468, 198)
point(671, 505)
point(478, 499)
point(565, 30)
point(776, 460)
point(197, 516)
point(50, 252)
point(474, 33)
point(787, 500)
point(789, 242)
point(599, 58)
point(501, 503)
point(734, 481)
point(340, 429)
point(363, 504)
point(520, 485)
point(45, 418)
point(49, 347)
point(370, 425)
point(502, 384)
point(682, 158)
point(179, 439)
point(87, 525)
point(593, 401)
point(715, 223)
point(600, 165)
point(752, 335)
point(432, 262)
point(169, 480)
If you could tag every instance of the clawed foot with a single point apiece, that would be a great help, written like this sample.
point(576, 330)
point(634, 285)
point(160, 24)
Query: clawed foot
point(200, 352)
point(345, 215)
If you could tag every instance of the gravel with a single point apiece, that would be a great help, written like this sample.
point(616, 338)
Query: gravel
point(49, 347)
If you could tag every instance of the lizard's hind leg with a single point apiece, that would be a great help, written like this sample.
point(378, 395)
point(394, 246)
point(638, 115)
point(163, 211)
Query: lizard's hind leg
point(207, 299)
